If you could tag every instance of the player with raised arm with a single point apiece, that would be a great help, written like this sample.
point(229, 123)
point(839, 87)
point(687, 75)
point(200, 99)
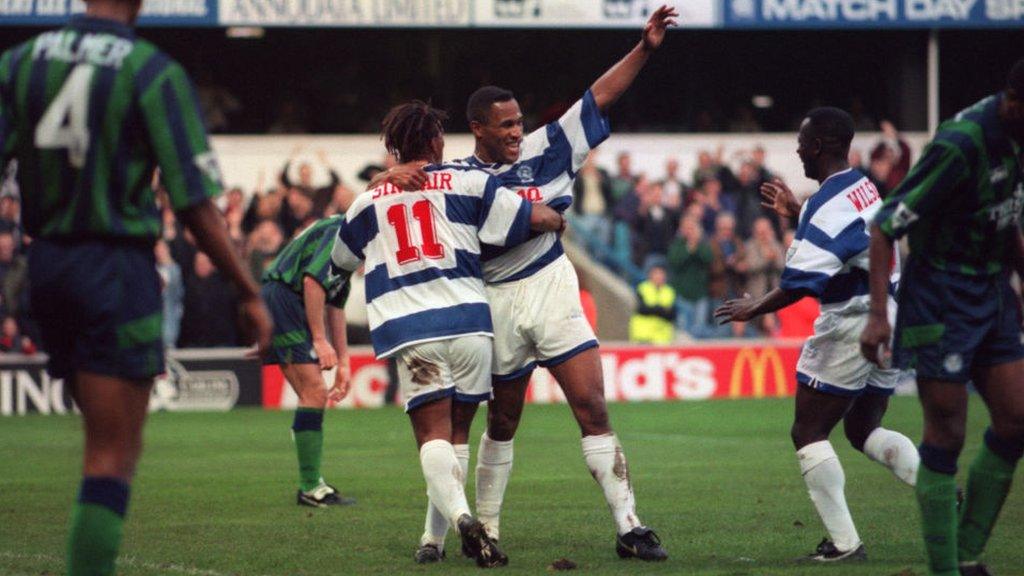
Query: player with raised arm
point(959, 318)
point(425, 296)
point(538, 319)
point(829, 260)
point(301, 290)
point(88, 111)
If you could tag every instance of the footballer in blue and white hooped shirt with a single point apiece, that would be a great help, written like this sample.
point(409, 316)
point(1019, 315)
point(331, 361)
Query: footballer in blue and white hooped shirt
point(828, 260)
point(426, 303)
point(534, 291)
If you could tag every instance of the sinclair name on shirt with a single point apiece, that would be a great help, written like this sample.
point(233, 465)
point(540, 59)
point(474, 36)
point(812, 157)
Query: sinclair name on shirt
point(863, 196)
point(435, 181)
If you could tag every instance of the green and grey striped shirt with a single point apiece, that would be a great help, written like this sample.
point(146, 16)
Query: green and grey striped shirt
point(89, 111)
point(961, 202)
point(309, 254)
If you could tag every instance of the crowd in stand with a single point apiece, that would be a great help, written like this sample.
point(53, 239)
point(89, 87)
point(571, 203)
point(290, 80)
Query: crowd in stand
point(698, 239)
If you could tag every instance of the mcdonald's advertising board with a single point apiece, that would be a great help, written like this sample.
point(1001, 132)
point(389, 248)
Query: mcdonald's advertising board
point(751, 369)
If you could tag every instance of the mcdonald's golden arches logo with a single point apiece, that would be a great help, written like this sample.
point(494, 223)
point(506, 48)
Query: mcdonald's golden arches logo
point(759, 361)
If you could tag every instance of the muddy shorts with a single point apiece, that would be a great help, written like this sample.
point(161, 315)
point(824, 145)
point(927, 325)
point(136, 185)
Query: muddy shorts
point(459, 367)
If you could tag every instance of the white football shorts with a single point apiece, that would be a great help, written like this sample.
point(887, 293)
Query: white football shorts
point(831, 360)
point(538, 321)
point(458, 367)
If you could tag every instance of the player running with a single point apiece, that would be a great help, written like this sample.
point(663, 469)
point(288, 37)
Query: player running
point(88, 111)
point(425, 296)
point(300, 290)
point(535, 306)
point(829, 260)
point(959, 319)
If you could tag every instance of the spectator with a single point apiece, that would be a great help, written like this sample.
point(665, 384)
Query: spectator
point(714, 202)
point(11, 339)
point(291, 119)
point(673, 191)
point(758, 156)
point(320, 196)
point(732, 278)
point(217, 102)
point(211, 308)
point(897, 153)
point(743, 120)
point(173, 293)
point(653, 225)
point(856, 159)
point(653, 322)
point(13, 276)
point(592, 202)
point(624, 180)
point(765, 261)
point(691, 261)
point(10, 208)
point(747, 195)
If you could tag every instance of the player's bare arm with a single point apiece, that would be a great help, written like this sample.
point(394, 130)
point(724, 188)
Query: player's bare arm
point(746, 308)
point(875, 338)
point(613, 84)
point(207, 225)
point(776, 196)
point(546, 219)
point(343, 374)
point(408, 176)
point(315, 297)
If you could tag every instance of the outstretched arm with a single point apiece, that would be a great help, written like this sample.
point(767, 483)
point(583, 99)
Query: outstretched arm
point(613, 84)
point(746, 308)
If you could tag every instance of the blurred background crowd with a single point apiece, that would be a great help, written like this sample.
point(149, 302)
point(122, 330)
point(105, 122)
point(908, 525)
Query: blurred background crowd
point(686, 242)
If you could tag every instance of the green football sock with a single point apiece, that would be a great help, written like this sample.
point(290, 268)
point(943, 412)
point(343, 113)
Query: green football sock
point(97, 521)
point(936, 496)
point(309, 444)
point(987, 487)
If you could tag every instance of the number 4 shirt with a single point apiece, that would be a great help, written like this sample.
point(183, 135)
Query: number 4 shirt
point(424, 280)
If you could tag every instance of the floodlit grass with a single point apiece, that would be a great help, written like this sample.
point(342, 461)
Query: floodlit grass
point(718, 480)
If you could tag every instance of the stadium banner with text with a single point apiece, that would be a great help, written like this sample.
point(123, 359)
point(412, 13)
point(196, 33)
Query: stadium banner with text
point(753, 369)
point(829, 14)
point(183, 13)
point(320, 13)
point(196, 380)
point(592, 14)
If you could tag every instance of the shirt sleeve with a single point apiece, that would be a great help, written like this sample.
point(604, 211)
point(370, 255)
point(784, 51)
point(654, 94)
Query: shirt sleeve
point(504, 218)
point(926, 189)
point(585, 127)
point(818, 257)
point(319, 265)
point(188, 166)
point(353, 235)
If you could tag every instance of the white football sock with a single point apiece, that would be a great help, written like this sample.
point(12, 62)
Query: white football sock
point(493, 467)
point(436, 526)
point(444, 485)
point(825, 481)
point(894, 451)
point(607, 464)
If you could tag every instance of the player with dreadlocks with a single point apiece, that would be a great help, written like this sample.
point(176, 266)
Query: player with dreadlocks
point(425, 297)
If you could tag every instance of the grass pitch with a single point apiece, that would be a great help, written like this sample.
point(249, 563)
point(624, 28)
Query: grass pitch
point(214, 496)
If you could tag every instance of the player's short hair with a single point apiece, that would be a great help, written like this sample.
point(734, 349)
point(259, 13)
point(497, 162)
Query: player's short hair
point(479, 106)
point(1015, 80)
point(834, 127)
point(409, 128)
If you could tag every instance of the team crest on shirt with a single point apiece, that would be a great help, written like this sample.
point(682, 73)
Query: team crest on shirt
point(524, 173)
point(953, 363)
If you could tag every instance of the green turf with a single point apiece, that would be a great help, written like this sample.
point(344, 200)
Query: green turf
point(718, 480)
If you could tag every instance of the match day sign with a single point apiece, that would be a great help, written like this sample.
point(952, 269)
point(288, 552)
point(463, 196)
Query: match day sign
point(752, 369)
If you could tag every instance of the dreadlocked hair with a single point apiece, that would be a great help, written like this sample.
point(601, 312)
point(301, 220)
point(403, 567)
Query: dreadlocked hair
point(409, 128)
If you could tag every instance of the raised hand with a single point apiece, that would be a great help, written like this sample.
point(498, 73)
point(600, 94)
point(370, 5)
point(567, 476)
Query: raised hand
point(777, 196)
point(654, 31)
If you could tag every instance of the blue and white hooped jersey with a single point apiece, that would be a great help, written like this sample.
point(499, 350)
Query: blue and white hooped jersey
point(829, 255)
point(548, 161)
point(422, 251)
